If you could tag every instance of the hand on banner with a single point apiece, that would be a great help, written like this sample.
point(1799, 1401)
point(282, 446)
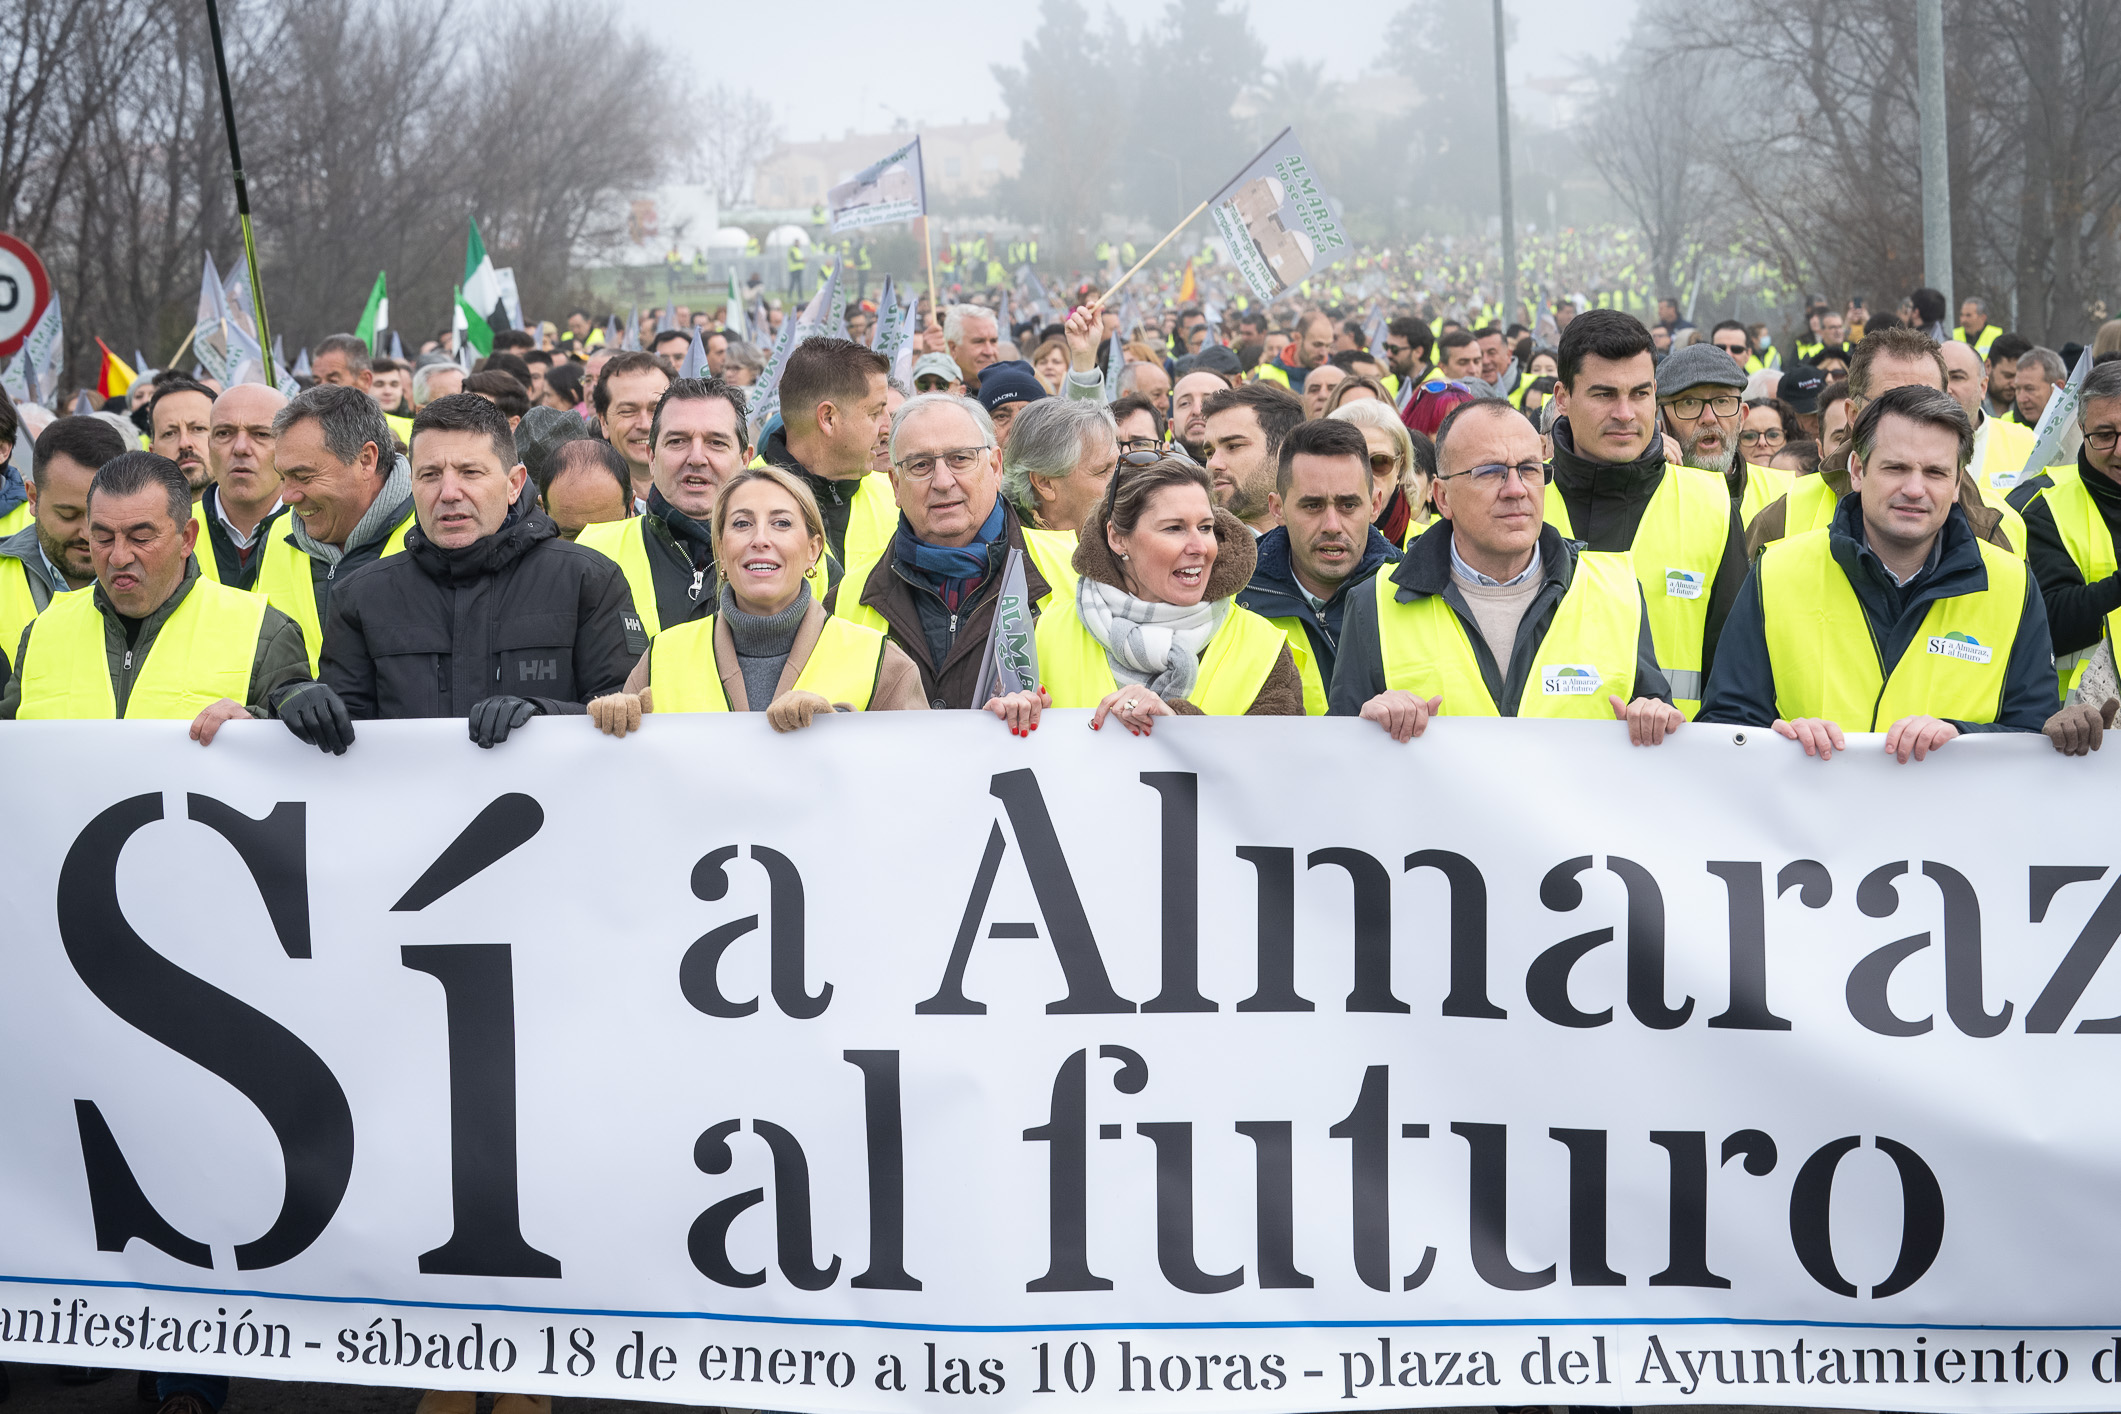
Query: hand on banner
point(2077, 730)
point(493, 718)
point(314, 713)
point(1649, 720)
point(616, 713)
point(1132, 707)
point(1916, 737)
point(1019, 710)
point(1401, 713)
point(1085, 331)
point(1816, 735)
point(793, 709)
point(208, 722)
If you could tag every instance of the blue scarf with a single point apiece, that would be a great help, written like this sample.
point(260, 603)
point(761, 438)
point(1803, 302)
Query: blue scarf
point(952, 562)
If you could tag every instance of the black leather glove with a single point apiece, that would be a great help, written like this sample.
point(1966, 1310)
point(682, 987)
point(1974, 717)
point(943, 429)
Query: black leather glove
point(493, 718)
point(314, 713)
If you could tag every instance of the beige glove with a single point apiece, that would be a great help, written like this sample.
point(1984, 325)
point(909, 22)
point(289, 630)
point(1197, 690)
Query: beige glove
point(618, 713)
point(794, 709)
point(2076, 731)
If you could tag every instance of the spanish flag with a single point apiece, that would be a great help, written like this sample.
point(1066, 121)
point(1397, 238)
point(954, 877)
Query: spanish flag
point(116, 376)
point(1188, 291)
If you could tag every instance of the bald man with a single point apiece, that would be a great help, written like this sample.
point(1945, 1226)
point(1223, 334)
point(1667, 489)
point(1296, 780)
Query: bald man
point(239, 509)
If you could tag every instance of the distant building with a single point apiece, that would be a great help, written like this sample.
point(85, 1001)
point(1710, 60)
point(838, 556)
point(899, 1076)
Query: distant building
point(960, 161)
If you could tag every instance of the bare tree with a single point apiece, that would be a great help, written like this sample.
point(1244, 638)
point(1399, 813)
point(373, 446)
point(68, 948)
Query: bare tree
point(736, 132)
point(372, 130)
point(1655, 143)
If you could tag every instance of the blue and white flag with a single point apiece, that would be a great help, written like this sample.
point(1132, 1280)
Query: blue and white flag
point(695, 364)
point(209, 330)
point(890, 189)
point(1276, 221)
point(766, 393)
point(2055, 420)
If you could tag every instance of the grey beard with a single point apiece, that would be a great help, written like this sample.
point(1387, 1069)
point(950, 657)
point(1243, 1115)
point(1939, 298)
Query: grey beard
point(1721, 464)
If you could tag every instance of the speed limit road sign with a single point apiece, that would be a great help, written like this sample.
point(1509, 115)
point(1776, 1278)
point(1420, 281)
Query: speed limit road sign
point(25, 290)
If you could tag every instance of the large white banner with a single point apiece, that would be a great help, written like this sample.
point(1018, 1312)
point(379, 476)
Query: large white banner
point(900, 1064)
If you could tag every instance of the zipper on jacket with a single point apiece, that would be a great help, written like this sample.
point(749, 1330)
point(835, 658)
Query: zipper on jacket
point(127, 666)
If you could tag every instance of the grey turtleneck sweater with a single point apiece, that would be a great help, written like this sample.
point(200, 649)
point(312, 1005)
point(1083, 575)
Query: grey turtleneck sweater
point(762, 643)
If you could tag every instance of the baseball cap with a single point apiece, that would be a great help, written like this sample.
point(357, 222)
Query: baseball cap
point(1801, 387)
point(936, 365)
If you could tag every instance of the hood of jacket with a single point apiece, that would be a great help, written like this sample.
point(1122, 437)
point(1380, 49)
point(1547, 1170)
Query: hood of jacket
point(521, 530)
point(1236, 555)
point(1274, 591)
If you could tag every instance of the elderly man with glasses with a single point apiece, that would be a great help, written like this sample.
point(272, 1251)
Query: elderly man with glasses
point(1501, 615)
point(934, 585)
point(1702, 396)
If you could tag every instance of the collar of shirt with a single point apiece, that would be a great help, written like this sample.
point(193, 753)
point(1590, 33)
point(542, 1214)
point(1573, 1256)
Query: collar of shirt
point(52, 577)
point(1473, 576)
point(235, 536)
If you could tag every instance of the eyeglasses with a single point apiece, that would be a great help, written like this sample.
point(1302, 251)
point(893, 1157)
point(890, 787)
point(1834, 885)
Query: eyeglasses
point(1493, 476)
point(2103, 440)
point(1141, 444)
point(1687, 409)
point(922, 467)
point(1764, 434)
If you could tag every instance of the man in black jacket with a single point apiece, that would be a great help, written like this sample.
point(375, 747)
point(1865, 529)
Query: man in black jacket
point(1614, 492)
point(487, 615)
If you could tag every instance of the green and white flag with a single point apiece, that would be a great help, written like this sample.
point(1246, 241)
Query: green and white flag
point(480, 298)
point(471, 327)
point(733, 316)
point(1276, 221)
point(376, 317)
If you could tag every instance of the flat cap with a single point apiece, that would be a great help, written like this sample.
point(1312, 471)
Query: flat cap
point(1696, 365)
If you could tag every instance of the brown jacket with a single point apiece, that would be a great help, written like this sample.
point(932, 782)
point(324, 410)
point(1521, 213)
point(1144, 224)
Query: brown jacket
point(1237, 555)
point(1773, 521)
point(951, 683)
point(898, 686)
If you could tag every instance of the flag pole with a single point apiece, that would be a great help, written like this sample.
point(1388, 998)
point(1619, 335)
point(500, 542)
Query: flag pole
point(235, 158)
point(935, 307)
point(1108, 294)
point(1098, 303)
point(179, 354)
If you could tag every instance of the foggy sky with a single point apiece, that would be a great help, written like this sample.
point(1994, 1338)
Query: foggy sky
point(862, 65)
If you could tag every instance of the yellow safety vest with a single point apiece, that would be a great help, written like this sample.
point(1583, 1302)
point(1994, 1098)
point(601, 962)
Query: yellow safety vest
point(1825, 656)
point(286, 582)
point(1806, 352)
point(1306, 666)
point(1763, 484)
point(18, 605)
point(15, 519)
point(684, 677)
point(401, 426)
point(1052, 551)
point(1233, 667)
point(1587, 654)
point(626, 542)
point(1988, 336)
point(1679, 544)
point(202, 653)
point(1266, 372)
point(2091, 547)
point(1812, 504)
